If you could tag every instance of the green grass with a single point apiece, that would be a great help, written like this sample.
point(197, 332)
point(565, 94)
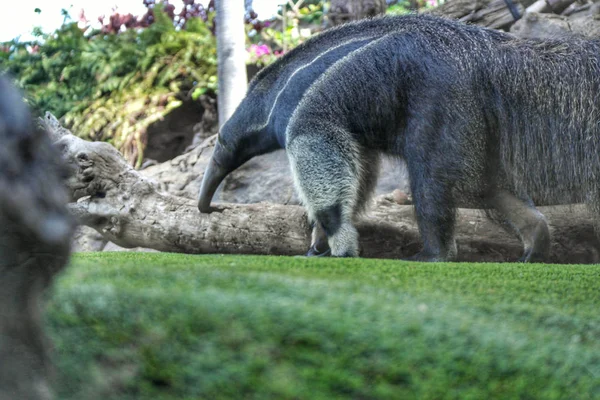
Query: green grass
point(165, 326)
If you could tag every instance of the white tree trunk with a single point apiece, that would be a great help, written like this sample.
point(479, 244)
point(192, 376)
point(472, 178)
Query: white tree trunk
point(231, 51)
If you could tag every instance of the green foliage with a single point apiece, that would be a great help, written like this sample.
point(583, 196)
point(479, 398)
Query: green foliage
point(113, 86)
point(285, 39)
point(51, 74)
point(167, 326)
point(301, 17)
point(399, 8)
point(402, 7)
point(311, 13)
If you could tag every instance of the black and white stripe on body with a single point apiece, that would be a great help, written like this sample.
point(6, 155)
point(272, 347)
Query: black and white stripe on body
point(472, 111)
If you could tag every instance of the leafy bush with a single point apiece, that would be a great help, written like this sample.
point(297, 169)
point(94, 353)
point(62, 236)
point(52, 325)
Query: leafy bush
point(111, 84)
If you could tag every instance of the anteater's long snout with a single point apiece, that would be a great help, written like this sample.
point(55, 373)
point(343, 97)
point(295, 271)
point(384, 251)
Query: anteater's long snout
point(218, 168)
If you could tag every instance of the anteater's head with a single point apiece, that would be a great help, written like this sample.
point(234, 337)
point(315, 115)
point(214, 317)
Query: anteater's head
point(243, 136)
point(223, 161)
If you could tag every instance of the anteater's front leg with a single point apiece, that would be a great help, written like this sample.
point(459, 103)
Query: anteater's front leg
point(327, 178)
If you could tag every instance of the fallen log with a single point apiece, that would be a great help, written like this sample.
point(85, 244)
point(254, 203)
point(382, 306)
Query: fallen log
point(342, 11)
point(128, 209)
point(553, 6)
point(497, 14)
point(491, 13)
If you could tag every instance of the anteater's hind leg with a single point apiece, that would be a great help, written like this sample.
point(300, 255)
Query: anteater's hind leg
point(327, 177)
point(431, 185)
point(521, 217)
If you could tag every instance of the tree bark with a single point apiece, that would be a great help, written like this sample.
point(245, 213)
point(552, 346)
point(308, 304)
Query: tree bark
point(490, 13)
point(128, 209)
point(231, 53)
point(342, 11)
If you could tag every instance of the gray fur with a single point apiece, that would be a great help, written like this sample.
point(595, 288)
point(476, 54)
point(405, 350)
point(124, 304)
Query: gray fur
point(474, 113)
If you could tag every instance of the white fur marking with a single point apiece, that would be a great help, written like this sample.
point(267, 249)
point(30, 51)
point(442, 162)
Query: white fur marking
point(319, 81)
point(300, 69)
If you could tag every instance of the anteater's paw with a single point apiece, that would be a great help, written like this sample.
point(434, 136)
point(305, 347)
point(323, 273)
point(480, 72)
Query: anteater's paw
point(315, 252)
point(533, 256)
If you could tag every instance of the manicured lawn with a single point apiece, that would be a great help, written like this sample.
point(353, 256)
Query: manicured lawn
point(166, 326)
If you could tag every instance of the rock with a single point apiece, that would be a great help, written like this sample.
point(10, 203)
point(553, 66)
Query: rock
point(113, 247)
point(268, 178)
point(87, 239)
point(546, 25)
point(264, 178)
point(538, 25)
point(180, 129)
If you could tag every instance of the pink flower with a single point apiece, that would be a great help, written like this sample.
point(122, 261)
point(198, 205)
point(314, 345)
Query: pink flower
point(33, 49)
point(259, 51)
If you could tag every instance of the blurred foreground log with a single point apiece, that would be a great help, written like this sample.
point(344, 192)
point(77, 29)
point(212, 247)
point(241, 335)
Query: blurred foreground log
point(128, 209)
point(35, 237)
